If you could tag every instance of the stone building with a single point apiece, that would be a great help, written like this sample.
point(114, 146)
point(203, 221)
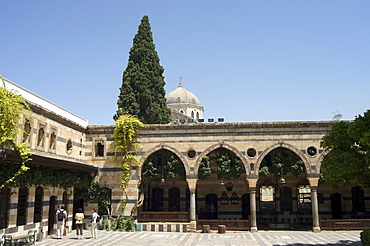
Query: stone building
point(183, 201)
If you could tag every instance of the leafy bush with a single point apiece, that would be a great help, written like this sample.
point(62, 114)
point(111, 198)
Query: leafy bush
point(365, 237)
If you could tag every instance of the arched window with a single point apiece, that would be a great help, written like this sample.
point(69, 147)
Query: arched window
point(65, 200)
point(22, 206)
point(27, 131)
point(69, 146)
point(157, 199)
point(178, 100)
point(197, 116)
point(4, 207)
point(192, 114)
point(286, 199)
point(39, 196)
point(53, 137)
point(358, 201)
point(174, 199)
point(40, 137)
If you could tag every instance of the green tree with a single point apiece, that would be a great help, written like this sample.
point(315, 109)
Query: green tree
point(142, 92)
point(348, 160)
point(13, 108)
point(280, 162)
point(229, 165)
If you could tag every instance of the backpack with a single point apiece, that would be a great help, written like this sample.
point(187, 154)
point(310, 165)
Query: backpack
point(97, 218)
point(60, 215)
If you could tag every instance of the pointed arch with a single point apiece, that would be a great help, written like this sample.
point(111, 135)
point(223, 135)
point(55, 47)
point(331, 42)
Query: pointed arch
point(320, 159)
point(166, 147)
point(287, 146)
point(226, 146)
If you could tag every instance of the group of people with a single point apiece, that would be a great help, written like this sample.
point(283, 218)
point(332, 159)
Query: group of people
point(61, 218)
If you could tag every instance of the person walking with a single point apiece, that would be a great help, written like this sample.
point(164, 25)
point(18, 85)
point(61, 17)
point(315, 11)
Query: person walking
point(79, 216)
point(61, 218)
point(94, 223)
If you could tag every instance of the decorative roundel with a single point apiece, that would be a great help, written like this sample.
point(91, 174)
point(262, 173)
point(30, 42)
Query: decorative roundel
point(251, 152)
point(191, 153)
point(311, 151)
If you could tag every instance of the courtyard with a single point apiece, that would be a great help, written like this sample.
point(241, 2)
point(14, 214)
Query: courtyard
point(266, 238)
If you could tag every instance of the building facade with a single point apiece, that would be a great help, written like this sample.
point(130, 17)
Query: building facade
point(177, 197)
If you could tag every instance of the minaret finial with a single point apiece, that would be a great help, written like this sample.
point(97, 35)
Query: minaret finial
point(180, 83)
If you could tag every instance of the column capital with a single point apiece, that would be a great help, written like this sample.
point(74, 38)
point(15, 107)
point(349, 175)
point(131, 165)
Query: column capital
point(252, 183)
point(314, 182)
point(192, 183)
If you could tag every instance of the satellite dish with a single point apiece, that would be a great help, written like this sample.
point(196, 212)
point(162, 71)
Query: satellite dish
point(337, 117)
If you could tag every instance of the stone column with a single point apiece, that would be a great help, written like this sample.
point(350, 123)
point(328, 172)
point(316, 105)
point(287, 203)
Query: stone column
point(253, 217)
point(193, 220)
point(315, 206)
point(192, 205)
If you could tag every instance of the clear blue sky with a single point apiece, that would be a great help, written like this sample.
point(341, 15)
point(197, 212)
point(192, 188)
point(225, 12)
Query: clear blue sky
point(247, 61)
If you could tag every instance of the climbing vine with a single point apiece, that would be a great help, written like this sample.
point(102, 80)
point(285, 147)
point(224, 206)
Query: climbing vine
point(13, 108)
point(42, 175)
point(125, 133)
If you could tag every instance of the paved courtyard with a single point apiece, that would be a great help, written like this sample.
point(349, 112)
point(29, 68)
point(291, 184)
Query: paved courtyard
point(298, 238)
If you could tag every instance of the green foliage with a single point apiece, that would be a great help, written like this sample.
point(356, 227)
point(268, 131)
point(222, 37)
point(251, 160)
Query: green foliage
point(365, 237)
point(42, 175)
point(349, 156)
point(281, 161)
point(142, 92)
point(13, 108)
point(204, 171)
point(122, 223)
point(95, 192)
point(164, 164)
point(229, 165)
point(124, 134)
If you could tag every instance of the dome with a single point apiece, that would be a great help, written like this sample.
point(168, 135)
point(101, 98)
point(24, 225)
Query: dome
point(181, 95)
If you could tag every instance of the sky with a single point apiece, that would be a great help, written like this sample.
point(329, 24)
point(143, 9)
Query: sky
point(246, 61)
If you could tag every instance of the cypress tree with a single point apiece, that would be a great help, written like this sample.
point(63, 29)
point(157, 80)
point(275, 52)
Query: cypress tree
point(142, 92)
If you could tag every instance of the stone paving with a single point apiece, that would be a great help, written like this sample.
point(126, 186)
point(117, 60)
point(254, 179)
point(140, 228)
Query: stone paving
point(290, 238)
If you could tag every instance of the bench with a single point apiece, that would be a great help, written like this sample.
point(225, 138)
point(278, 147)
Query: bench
point(29, 238)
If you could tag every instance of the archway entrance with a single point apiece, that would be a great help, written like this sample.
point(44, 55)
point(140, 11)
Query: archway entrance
point(284, 193)
point(222, 197)
point(165, 189)
point(336, 206)
point(51, 217)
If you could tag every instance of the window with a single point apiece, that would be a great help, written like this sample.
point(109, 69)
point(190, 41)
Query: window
point(358, 201)
point(174, 199)
point(69, 146)
point(99, 148)
point(52, 144)
point(39, 195)
point(234, 198)
point(27, 131)
point(224, 198)
point(304, 197)
point(22, 206)
point(157, 199)
point(267, 197)
point(41, 137)
point(197, 116)
point(192, 114)
point(4, 207)
point(65, 200)
point(286, 199)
